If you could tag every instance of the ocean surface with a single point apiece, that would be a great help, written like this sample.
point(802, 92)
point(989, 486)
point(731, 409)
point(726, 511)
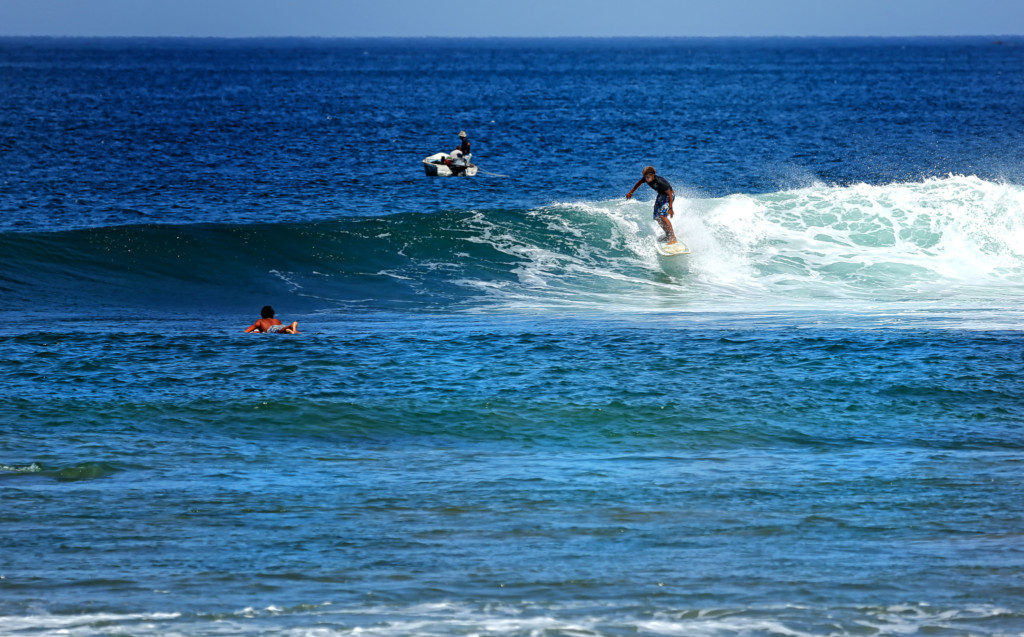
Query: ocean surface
point(506, 414)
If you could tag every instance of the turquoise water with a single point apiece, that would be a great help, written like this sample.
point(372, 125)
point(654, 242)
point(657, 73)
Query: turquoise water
point(507, 414)
point(650, 474)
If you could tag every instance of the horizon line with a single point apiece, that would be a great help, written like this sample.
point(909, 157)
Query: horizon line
point(512, 37)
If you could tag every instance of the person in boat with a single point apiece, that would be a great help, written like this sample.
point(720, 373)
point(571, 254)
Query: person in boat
point(464, 147)
point(461, 156)
point(270, 325)
point(662, 204)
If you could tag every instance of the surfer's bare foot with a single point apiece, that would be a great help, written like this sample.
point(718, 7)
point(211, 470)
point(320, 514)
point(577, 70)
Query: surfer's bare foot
point(293, 328)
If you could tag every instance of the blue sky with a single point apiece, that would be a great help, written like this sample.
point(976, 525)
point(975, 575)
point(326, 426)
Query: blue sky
point(531, 18)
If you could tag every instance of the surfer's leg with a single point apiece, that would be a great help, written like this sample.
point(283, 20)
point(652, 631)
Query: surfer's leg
point(666, 225)
point(661, 208)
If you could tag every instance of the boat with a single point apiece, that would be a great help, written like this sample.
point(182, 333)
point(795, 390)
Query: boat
point(447, 165)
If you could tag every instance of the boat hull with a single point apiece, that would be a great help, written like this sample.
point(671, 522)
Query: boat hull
point(441, 170)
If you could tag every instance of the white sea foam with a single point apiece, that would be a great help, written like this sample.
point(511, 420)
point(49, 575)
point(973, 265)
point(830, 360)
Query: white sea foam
point(31, 468)
point(529, 618)
point(82, 624)
point(902, 242)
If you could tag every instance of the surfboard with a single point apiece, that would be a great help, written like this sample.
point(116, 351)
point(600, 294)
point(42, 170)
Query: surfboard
point(671, 250)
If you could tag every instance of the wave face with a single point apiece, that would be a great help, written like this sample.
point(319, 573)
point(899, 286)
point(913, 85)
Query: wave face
point(956, 242)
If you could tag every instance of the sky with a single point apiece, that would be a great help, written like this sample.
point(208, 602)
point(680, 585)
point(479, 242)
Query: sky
point(510, 18)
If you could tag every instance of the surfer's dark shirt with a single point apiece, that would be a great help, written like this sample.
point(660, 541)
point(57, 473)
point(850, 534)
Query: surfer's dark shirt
point(660, 184)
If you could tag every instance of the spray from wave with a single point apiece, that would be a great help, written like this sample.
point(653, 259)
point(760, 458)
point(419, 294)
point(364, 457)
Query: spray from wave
point(902, 242)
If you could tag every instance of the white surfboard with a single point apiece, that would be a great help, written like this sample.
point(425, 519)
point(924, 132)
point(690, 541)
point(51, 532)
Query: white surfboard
point(671, 249)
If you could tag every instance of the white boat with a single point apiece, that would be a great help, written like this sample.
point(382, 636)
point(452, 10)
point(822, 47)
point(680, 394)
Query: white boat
point(441, 164)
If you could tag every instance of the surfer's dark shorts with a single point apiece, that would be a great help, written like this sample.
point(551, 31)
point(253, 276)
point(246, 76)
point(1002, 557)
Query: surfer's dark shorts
point(661, 206)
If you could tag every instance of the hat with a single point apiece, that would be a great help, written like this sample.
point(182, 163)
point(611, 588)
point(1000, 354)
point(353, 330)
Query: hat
point(462, 133)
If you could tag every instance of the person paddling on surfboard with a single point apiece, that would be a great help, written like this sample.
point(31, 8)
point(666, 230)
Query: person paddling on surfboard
point(662, 205)
point(270, 325)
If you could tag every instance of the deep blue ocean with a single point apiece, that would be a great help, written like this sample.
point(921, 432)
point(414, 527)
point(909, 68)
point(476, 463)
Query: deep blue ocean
point(506, 414)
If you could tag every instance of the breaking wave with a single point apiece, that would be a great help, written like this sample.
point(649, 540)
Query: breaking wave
point(955, 242)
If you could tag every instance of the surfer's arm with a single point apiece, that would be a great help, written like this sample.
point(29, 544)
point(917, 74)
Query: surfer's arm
point(671, 199)
point(630, 193)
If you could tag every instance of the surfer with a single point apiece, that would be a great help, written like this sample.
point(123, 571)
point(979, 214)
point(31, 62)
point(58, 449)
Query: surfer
point(663, 203)
point(271, 325)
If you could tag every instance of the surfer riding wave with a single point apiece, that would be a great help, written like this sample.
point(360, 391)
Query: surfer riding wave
point(662, 205)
